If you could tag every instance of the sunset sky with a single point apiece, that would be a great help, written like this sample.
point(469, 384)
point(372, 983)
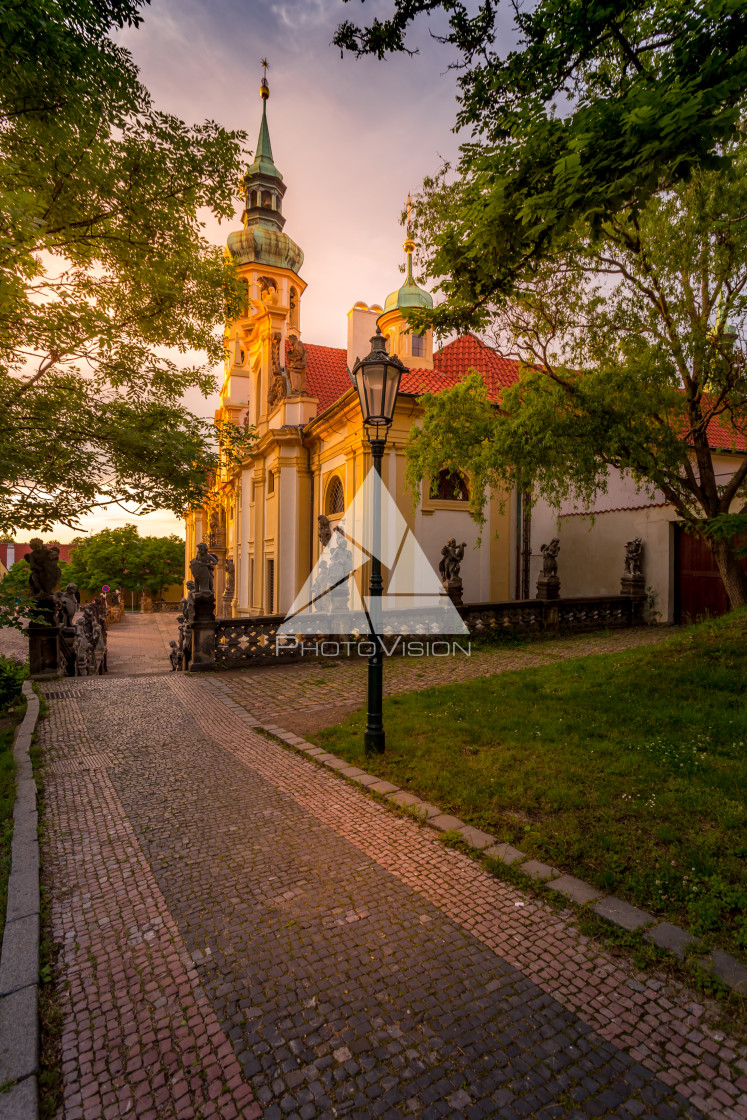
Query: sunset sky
point(350, 138)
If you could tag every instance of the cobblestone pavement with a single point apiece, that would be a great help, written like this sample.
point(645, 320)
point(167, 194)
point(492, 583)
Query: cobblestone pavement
point(139, 644)
point(241, 929)
point(272, 692)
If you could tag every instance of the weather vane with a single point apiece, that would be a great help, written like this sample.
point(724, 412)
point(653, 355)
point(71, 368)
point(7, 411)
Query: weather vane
point(265, 66)
point(264, 89)
point(409, 213)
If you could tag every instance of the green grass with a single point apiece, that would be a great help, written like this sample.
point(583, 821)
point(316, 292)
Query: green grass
point(628, 770)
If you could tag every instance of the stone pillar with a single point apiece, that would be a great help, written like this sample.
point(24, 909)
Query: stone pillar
point(45, 661)
point(548, 587)
point(454, 590)
point(203, 633)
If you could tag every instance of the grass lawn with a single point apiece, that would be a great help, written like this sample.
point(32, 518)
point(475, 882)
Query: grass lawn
point(628, 769)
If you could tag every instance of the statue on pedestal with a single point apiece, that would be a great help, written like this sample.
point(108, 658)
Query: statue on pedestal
point(202, 568)
point(449, 568)
point(633, 581)
point(296, 359)
point(228, 590)
point(548, 584)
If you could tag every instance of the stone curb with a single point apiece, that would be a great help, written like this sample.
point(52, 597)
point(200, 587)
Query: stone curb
point(731, 972)
point(19, 960)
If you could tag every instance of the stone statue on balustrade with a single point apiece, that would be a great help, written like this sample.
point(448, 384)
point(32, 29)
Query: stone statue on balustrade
point(44, 571)
point(548, 584)
point(633, 581)
point(228, 590)
point(45, 655)
point(449, 568)
point(68, 605)
point(174, 656)
point(340, 567)
point(202, 610)
point(325, 531)
point(321, 584)
point(202, 568)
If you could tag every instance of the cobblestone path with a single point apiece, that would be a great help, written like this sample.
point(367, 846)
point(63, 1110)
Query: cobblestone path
point(242, 931)
point(290, 694)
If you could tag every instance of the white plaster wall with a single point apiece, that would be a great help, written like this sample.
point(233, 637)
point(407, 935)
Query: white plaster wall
point(592, 556)
point(436, 529)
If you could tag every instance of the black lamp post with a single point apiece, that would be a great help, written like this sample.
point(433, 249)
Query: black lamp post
point(376, 377)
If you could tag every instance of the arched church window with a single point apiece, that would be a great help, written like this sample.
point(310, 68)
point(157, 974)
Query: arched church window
point(255, 199)
point(449, 487)
point(266, 200)
point(293, 301)
point(335, 497)
point(244, 298)
point(418, 345)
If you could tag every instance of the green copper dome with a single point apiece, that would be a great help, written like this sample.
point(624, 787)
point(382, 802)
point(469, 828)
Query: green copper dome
point(262, 240)
point(409, 295)
point(264, 246)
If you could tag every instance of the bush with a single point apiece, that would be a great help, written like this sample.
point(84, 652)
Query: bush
point(13, 673)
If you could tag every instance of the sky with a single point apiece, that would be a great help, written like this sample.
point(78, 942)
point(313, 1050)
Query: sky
point(350, 137)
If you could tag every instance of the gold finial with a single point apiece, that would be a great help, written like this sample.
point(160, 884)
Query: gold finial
point(409, 244)
point(264, 89)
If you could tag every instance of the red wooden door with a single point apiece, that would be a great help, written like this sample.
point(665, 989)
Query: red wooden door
point(700, 590)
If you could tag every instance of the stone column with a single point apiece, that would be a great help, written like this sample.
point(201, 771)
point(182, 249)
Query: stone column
point(203, 633)
point(45, 662)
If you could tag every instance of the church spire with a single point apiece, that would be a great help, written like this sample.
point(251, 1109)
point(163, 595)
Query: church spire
point(263, 184)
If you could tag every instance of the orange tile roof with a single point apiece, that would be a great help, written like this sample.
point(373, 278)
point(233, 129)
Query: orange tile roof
point(327, 378)
point(467, 352)
point(722, 435)
point(326, 374)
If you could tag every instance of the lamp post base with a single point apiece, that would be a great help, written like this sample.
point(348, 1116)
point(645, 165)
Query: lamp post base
point(374, 742)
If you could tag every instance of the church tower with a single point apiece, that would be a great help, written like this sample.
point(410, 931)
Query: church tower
point(268, 261)
point(414, 349)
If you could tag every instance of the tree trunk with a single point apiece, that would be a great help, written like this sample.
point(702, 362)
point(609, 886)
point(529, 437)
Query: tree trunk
point(731, 571)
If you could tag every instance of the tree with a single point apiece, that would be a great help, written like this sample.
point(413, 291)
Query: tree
point(630, 361)
point(649, 89)
point(604, 244)
point(107, 278)
point(14, 588)
point(122, 558)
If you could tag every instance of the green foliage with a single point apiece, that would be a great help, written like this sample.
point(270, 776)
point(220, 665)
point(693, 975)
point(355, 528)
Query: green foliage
point(122, 558)
point(648, 89)
point(107, 279)
point(15, 586)
point(628, 770)
point(12, 675)
point(633, 360)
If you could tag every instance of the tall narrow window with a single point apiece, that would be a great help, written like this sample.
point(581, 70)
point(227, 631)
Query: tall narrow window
point(293, 301)
point(335, 497)
point(270, 482)
point(270, 586)
point(418, 345)
point(250, 600)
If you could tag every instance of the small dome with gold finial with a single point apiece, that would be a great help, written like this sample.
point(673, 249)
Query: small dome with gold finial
point(410, 294)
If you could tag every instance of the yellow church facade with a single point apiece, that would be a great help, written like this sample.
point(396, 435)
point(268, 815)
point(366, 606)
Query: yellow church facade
point(311, 453)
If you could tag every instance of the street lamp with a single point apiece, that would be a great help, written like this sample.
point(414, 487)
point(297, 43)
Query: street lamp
point(376, 378)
